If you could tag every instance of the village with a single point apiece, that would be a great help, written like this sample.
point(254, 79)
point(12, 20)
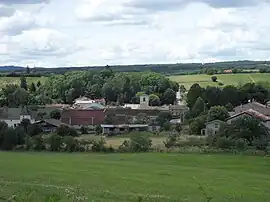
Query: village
point(115, 120)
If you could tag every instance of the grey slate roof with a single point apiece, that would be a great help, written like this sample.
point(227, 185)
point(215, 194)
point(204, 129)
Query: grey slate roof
point(12, 113)
point(255, 106)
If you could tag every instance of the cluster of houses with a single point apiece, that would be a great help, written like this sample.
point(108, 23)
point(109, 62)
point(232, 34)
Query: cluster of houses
point(89, 113)
point(252, 109)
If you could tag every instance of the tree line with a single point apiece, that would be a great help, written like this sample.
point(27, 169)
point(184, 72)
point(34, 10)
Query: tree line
point(116, 88)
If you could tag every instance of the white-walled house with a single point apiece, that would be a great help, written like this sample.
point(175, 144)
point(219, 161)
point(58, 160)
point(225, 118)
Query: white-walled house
point(14, 116)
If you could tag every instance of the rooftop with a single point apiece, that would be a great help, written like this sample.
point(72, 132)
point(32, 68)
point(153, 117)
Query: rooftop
point(263, 109)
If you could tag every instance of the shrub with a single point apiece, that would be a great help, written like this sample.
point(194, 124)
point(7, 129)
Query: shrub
point(140, 143)
point(34, 129)
point(99, 146)
point(260, 143)
point(98, 130)
point(220, 84)
point(241, 144)
point(84, 130)
point(193, 142)
point(225, 143)
point(137, 143)
point(125, 146)
point(71, 144)
point(214, 78)
point(171, 141)
point(37, 143)
point(66, 131)
point(55, 142)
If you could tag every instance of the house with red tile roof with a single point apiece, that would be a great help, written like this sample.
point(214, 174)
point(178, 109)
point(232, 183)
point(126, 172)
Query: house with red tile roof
point(83, 118)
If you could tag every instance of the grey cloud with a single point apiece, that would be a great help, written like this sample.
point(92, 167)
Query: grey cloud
point(6, 11)
point(231, 3)
point(9, 2)
point(160, 5)
point(157, 5)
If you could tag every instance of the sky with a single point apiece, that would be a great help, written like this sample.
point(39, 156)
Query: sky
point(54, 33)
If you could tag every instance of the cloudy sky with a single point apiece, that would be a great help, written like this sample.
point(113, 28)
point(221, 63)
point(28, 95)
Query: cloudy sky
point(54, 33)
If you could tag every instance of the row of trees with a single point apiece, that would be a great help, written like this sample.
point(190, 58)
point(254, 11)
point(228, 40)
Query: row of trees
point(233, 95)
point(114, 87)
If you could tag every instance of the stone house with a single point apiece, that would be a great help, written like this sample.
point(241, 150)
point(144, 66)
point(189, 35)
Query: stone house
point(212, 127)
point(14, 116)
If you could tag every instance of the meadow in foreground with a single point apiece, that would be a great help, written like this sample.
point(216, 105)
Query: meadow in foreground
point(138, 177)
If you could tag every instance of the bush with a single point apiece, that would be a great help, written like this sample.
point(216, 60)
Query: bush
point(37, 143)
point(214, 78)
point(140, 143)
point(55, 142)
point(225, 143)
point(8, 139)
point(241, 144)
point(83, 130)
point(70, 144)
point(261, 143)
point(99, 146)
point(137, 143)
point(193, 142)
point(171, 141)
point(66, 131)
point(33, 130)
point(220, 84)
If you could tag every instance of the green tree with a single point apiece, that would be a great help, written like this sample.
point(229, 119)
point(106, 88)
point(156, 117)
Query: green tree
point(38, 84)
point(229, 107)
point(212, 96)
point(230, 94)
point(169, 96)
point(198, 107)
point(214, 78)
point(9, 139)
point(55, 142)
point(98, 129)
point(217, 113)
point(34, 130)
point(197, 125)
point(32, 88)
point(183, 89)
point(154, 100)
point(66, 131)
point(23, 83)
point(193, 94)
point(25, 123)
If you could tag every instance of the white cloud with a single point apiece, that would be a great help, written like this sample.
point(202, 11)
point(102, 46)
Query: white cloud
point(89, 32)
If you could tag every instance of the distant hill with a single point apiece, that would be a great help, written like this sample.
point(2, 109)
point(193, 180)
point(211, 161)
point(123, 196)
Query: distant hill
point(11, 68)
point(179, 68)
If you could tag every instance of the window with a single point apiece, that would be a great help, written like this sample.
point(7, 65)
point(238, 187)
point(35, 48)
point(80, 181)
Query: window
point(216, 125)
point(144, 99)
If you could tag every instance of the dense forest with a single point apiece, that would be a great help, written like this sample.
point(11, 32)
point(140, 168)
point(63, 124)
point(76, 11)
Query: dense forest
point(115, 87)
point(179, 68)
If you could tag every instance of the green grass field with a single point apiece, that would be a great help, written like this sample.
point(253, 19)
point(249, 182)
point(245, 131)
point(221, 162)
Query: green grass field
point(227, 79)
point(128, 177)
point(16, 80)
